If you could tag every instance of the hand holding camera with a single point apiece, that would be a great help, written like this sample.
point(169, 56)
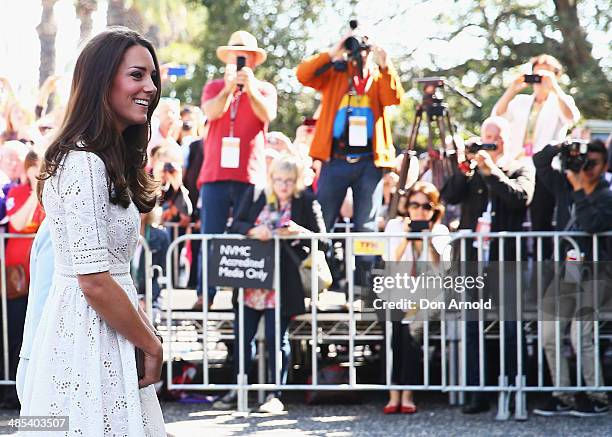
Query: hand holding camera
point(379, 55)
point(484, 162)
point(230, 79)
point(575, 179)
point(519, 84)
point(245, 79)
point(336, 53)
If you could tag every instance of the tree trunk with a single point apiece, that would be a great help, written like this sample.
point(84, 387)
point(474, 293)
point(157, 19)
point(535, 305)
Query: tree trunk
point(47, 29)
point(116, 14)
point(119, 15)
point(84, 9)
point(575, 44)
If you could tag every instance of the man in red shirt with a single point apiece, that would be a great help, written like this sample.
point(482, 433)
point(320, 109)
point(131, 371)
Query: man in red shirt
point(239, 108)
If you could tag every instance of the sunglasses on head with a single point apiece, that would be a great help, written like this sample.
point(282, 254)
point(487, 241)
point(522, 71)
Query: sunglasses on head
point(417, 205)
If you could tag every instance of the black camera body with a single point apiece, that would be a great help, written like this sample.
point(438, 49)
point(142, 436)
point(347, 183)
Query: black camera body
point(532, 78)
point(355, 44)
point(477, 146)
point(573, 154)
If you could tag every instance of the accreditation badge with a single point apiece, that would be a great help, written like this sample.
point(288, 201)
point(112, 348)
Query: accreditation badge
point(358, 131)
point(230, 152)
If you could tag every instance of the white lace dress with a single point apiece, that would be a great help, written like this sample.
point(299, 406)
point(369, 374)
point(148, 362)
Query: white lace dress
point(80, 367)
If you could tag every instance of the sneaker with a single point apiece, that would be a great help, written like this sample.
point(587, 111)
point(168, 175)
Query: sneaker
point(587, 407)
point(554, 407)
point(272, 405)
point(228, 402)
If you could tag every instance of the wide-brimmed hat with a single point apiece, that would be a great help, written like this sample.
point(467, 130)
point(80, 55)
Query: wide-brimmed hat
point(241, 40)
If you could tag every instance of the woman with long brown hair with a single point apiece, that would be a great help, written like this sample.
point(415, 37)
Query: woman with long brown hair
point(93, 187)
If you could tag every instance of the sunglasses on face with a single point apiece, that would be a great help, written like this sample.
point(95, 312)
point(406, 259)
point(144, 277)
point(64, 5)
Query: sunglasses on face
point(417, 205)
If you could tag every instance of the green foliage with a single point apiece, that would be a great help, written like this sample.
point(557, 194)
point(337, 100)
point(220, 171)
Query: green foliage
point(516, 31)
point(281, 28)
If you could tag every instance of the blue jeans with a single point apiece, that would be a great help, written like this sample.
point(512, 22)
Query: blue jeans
point(217, 198)
point(251, 321)
point(364, 178)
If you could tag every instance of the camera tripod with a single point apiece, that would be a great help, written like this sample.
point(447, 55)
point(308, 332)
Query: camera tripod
point(442, 159)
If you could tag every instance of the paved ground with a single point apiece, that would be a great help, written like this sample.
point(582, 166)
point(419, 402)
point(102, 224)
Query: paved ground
point(435, 418)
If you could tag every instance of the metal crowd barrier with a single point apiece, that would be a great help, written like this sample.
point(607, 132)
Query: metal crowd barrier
point(148, 270)
point(450, 334)
point(5, 349)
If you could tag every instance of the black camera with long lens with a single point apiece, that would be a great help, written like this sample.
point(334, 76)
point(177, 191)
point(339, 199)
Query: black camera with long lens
point(354, 45)
point(573, 155)
point(475, 147)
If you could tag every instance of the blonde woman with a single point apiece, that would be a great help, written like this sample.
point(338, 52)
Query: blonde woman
point(283, 208)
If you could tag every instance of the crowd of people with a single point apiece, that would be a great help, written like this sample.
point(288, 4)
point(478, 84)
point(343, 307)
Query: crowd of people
point(219, 169)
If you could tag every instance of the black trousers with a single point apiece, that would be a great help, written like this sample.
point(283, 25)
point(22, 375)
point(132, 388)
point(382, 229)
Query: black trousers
point(541, 211)
point(472, 353)
point(406, 367)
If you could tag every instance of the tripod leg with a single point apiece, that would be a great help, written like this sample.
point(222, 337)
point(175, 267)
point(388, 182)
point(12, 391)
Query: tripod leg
point(403, 175)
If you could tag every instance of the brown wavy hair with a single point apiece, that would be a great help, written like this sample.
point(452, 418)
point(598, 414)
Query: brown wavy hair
point(433, 195)
point(91, 121)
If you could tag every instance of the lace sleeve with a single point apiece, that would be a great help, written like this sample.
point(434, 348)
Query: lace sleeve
point(84, 194)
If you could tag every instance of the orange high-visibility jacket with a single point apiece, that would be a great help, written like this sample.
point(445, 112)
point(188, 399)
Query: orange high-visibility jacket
point(386, 90)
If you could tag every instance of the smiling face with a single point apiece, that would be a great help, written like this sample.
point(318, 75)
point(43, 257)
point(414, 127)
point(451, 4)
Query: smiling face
point(133, 88)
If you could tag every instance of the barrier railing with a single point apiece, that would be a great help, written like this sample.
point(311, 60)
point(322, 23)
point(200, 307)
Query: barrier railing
point(4, 237)
point(3, 284)
point(449, 333)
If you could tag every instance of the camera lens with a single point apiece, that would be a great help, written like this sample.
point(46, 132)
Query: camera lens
point(351, 44)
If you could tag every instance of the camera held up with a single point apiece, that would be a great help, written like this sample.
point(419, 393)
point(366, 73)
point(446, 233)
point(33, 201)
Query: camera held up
point(573, 155)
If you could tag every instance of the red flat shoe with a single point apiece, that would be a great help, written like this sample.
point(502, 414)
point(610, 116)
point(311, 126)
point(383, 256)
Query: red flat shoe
point(408, 409)
point(391, 409)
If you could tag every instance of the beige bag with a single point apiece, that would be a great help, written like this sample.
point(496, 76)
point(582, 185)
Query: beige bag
point(323, 274)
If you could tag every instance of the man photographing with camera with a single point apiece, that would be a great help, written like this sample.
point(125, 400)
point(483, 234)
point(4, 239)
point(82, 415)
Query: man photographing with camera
point(494, 193)
point(239, 108)
point(352, 142)
point(537, 119)
point(584, 203)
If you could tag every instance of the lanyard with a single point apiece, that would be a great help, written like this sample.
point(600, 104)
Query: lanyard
point(361, 86)
point(234, 112)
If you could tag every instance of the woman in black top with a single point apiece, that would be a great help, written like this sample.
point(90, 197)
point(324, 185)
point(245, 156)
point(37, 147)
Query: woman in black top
point(283, 208)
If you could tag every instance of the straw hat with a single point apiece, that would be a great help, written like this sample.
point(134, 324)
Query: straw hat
point(241, 41)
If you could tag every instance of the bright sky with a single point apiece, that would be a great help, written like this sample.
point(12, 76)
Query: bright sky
point(20, 48)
